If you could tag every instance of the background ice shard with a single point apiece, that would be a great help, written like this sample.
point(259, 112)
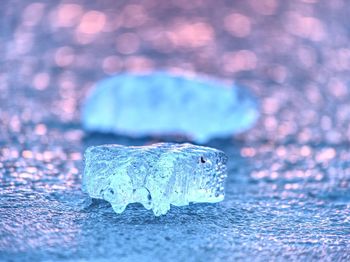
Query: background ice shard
point(156, 176)
point(161, 103)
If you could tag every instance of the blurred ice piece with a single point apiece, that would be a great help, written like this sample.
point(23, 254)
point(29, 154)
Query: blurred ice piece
point(165, 104)
point(155, 176)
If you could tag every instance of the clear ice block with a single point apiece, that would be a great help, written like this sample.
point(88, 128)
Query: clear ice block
point(165, 104)
point(156, 176)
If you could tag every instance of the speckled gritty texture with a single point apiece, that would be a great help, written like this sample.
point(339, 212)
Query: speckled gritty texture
point(288, 189)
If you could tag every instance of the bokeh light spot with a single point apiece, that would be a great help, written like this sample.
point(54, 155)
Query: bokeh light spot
point(134, 15)
point(112, 64)
point(127, 43)
point(64, 56)
point(193, 34)
point(237, 24)
point(92, 22)
point(67, 15)
point(33, 13)
point(41, 81)
point(243, 60)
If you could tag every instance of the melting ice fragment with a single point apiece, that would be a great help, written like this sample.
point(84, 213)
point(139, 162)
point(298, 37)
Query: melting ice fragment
point(164, 104)
point(156, 176)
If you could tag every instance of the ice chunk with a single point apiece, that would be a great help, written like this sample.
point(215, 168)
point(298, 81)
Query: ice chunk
point(165, 104)
point(155, 176)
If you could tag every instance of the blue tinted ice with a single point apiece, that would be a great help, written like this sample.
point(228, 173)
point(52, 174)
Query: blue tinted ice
point(164, 104)
point(156, 176)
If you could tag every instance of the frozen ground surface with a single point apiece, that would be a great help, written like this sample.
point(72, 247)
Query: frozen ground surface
point(288, 190)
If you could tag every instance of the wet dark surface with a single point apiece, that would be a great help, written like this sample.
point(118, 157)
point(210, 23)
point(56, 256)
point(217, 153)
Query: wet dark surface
point(288, 191)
